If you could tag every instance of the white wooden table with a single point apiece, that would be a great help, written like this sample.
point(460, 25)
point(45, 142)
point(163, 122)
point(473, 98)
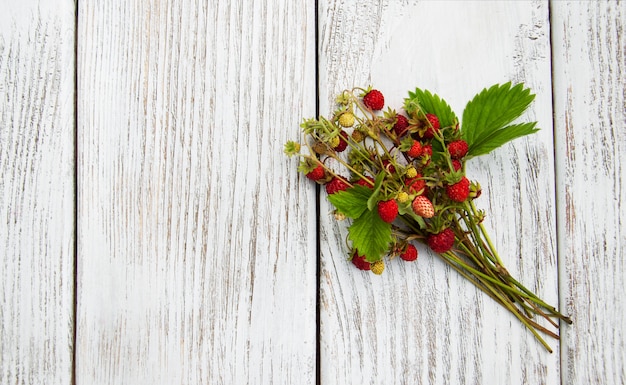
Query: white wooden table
point(153, 232)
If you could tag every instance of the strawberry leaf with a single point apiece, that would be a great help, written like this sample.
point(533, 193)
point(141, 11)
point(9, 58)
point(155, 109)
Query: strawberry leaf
point(497, 138)
point(430, 104)
point(490, 112)
point(370, 235)
point(351, 202)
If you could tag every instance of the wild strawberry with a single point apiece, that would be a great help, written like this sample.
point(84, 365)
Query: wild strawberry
point(317, 173)
point(423, 207)
point(432, 126)
point(335, 185)
point(374, 100)
point(402, 197)
point(427, 149)
point(442, 241)
point(411, 172)
point(342, 142)
point(321, 148)
point(458, 149)
point(357, 136)
point(410, 254)
point(456, 164)
point(459, 191)
point(415, 184)
point(387, 165)
point(346, 119)
point(365, 183)
point(416, 150)
point(360, 261)
point(401, 125)
point(388, 210)
point(378, 267)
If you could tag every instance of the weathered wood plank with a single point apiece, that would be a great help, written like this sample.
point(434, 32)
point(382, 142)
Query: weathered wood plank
point(422, 322)
point(36, 192)
point(590, 120)
point(196, 235)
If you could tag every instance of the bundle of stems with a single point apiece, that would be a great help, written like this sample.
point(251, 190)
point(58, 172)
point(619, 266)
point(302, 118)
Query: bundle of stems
point(475, 258)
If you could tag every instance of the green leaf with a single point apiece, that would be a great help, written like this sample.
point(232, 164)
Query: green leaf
point(490, 111)
point(352, 202)
point(502, 136)
point(373, 199)
point(430, 104)
point(438, 152)
point(370, 235)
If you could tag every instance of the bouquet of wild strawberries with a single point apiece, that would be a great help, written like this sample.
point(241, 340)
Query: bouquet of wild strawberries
point(403, 181)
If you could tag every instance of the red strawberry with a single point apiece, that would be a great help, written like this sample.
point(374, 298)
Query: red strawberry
point(456, 164)
point(374, 100)
point(364, 183)
point(459, 191)
point(415, 150)
point(336, 185)
point(433, 126)
point(388, 210)
point(442, 241)
point(458, 149)
point(423, 207)
point(342, 142)
point(389, 166)
point(317, 173)
point(427, 150)
point(360, 261)
point(415, 184)
point(410, 254)
point(401, 125)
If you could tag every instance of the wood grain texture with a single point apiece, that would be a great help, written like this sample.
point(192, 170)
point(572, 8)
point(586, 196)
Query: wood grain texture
point(422, 322)
point(36, 192)
point(590, 114)
point(196, 235)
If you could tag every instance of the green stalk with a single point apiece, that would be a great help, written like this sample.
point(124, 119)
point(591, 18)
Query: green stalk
point(509, 305)
point(485, 234)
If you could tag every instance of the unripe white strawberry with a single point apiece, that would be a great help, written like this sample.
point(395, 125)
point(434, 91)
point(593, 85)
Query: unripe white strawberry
point(423, 207)
point(378, 267)
point(346, 119)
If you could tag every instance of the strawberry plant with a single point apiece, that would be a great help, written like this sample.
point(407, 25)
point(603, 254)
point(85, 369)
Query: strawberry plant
point(402, 182)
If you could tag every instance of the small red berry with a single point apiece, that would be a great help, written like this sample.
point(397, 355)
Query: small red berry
point(432, 126)
point(365, 183)
point(360, 261)
point(387, 165)
point(374, 100)
point(456, 164)
point(342, 142)
point(410, 254)
point(336, 185)
point(459, 191)
point(317, 173)
point(415, 184)
point(458, 149)
point(402, 123)
point(427, 149)
point(442, 241)
point(416, 150)
point(388, 210)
